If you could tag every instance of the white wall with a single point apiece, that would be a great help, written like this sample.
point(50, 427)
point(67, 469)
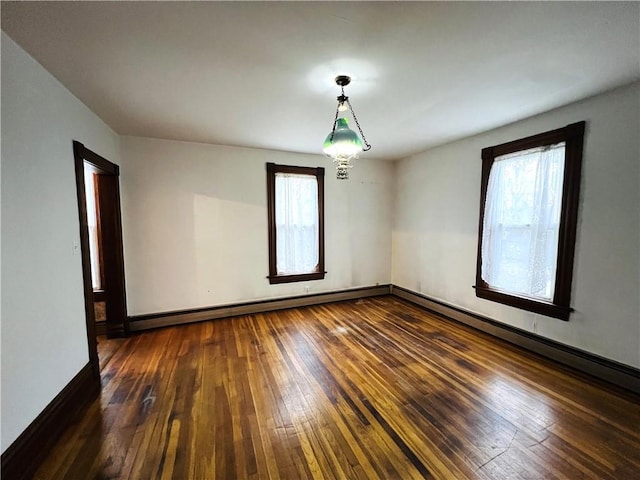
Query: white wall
point(195, 224)
point(44, 340)
point(436, 227)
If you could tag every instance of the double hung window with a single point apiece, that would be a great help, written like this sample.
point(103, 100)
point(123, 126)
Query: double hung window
point(295, 201)
point(528, 216)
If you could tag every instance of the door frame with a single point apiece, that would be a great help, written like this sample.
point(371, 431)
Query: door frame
point(81, 155)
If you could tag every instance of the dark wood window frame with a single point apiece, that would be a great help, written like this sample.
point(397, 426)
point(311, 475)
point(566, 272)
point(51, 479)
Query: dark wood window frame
point(573, 136)
point(317, 172)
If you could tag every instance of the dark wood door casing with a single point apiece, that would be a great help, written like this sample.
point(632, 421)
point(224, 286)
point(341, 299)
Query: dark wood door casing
point(112, 257)
point(111, 230)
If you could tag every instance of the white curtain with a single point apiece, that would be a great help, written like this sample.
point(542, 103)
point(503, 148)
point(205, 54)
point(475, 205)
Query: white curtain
point(92, 219)
point(296, 223)
point(521, 221)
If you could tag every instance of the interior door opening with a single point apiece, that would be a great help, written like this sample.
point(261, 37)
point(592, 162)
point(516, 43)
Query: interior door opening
point(97, 183)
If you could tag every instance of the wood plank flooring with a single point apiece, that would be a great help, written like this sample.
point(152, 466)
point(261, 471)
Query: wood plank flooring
point(367, 389)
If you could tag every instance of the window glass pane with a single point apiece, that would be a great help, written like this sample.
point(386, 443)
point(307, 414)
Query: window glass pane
point(297, 226)
point(521, 222)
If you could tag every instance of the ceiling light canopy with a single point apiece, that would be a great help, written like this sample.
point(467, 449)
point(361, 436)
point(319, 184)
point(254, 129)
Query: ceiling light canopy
point(343, 144)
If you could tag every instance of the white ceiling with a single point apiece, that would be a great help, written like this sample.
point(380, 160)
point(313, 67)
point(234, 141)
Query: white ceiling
point(260, 74)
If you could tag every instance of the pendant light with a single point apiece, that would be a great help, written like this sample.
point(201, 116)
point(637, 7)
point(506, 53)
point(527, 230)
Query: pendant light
point(343, 144)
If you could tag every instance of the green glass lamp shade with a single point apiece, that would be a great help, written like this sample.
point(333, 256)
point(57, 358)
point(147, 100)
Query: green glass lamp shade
point(345, 142)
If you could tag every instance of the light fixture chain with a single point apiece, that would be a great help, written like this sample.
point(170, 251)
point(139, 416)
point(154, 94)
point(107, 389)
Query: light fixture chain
point(368, 147)
point(335, 120)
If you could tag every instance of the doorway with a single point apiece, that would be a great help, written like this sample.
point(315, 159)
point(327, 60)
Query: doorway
point(98, 190)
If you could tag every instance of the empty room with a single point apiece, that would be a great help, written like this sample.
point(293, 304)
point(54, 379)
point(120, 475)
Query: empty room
point(328, 240)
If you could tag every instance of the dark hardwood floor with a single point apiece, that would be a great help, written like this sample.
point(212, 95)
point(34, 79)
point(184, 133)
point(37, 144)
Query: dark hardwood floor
point(368, 389)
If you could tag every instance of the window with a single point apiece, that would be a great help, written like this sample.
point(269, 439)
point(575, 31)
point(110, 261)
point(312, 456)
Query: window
point(528, 215)
point(295, 203)
point(95, 247)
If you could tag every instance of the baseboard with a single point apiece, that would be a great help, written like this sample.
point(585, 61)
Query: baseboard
point(101, 327)
point(21, 459)
point(167, 319)
point(602, 368)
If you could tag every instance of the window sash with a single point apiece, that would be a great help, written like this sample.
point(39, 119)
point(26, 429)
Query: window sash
point(297, 226)
point(522, 222)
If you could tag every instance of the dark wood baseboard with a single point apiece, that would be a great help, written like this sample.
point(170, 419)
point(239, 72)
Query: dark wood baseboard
point(167, 319)
point(101, 327)
point(21, 459)
point(602, 368)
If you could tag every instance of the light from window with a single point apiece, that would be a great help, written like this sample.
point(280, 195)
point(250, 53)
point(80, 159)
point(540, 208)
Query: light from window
point(528, 217)
point(296, 223)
